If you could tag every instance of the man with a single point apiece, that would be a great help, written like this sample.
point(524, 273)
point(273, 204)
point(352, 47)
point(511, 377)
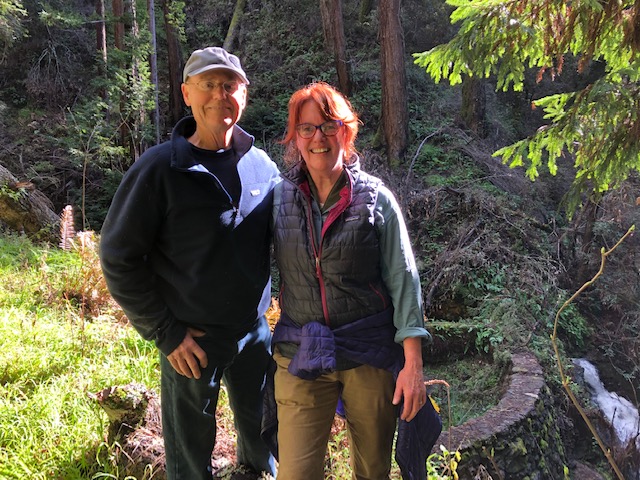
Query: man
point(185, 252)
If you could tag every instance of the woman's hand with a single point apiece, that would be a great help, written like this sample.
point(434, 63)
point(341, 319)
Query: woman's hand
point(410, 384)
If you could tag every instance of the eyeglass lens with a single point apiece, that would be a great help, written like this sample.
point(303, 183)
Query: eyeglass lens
point(208, 86)
point(308, 130)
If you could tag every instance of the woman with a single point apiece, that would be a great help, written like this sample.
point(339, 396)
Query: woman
point(351, 325)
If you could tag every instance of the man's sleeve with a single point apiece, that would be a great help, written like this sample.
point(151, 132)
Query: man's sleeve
point(127, 238)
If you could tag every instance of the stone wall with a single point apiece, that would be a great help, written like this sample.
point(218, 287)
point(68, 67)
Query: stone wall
point(517, 439)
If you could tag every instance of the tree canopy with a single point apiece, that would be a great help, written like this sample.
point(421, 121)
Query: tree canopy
point(598, 125)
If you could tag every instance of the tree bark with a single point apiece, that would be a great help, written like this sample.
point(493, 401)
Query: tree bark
point(26, 210)
point(334, 40)
point(153, 61)
point(473, 108)
point(394, 118)
point(140, 116)
point(118, 12)
point(101, 37)
point(101, 46)
point(176, 107)
point(117, 7)
point(232, 32)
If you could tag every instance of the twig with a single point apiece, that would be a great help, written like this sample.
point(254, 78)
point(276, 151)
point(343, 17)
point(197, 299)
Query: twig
point(413, 160)
point(565, 381)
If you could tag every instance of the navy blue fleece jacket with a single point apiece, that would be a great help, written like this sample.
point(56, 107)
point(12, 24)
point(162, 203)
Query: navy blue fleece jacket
point(177, 252)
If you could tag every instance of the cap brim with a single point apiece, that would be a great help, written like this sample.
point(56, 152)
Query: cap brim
point(219, 67)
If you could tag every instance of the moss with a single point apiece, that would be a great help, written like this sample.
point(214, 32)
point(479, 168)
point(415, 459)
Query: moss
point(518, 447)
point(542, 464)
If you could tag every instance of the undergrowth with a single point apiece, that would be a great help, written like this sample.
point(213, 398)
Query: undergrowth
point(475, 387)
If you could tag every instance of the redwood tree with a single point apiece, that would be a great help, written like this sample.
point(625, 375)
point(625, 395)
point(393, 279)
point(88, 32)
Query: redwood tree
point(394, 118)
point(334, 39)
point(174, 57)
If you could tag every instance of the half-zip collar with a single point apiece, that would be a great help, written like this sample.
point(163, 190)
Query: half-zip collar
point(181, 158)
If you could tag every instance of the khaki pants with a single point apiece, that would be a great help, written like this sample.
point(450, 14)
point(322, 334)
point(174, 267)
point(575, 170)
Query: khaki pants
point(306, 411)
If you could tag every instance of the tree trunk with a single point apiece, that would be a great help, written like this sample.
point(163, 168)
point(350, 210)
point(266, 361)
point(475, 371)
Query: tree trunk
point(101, 37)
point(140, 116)
point(153, 61)
point(117, 7)
point(334, 40)
point(118, 12)
point(394, 118)
point(232, 32)
point(474, 103)
point(26, 210)
point(101, 46)
point(174, 53)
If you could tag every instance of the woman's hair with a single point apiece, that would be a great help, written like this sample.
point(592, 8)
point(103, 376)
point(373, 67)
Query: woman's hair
point(333, 105)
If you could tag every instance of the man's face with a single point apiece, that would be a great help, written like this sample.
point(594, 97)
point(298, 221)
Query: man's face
point(215, 108)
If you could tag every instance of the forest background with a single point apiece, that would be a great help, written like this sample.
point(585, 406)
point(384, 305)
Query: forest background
point(87, 86)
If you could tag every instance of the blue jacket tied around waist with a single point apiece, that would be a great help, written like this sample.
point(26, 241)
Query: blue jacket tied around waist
point(365, 341)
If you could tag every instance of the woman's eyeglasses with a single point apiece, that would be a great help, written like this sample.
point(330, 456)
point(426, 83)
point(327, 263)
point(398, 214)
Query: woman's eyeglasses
point(330, 128)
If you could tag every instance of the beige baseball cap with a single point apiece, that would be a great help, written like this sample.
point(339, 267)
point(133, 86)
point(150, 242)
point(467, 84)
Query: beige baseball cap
point(212, 58)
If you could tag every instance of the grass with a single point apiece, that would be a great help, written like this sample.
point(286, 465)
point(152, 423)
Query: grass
point(50, 428)
point(51, 358)
point(475, 387)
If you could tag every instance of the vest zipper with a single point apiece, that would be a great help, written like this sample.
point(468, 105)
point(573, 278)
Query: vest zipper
point(317, 251)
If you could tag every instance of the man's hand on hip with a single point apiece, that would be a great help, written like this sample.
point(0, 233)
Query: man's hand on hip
point(188, 357)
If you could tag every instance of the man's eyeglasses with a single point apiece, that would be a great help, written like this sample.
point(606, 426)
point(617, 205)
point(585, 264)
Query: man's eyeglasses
point(208, 86)
point(330, 128)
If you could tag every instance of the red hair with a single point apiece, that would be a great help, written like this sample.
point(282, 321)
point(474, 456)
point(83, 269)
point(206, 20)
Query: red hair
point(333, 105)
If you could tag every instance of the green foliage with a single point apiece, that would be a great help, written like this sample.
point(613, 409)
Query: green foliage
point(13, 194)
point(176, 17)
point(49, 363)
point(488, 338)
point(11, 26)
point(598, 125)
point(443, 465)
point(475, 386)
point(573, 327)
point(594, 127)
point(15, 253)
point(51, 16)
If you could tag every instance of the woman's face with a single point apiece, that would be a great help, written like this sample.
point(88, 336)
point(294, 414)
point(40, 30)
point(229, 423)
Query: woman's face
point(323, 154)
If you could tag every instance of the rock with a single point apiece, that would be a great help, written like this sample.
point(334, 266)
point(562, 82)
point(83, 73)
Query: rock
point(135, 430)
